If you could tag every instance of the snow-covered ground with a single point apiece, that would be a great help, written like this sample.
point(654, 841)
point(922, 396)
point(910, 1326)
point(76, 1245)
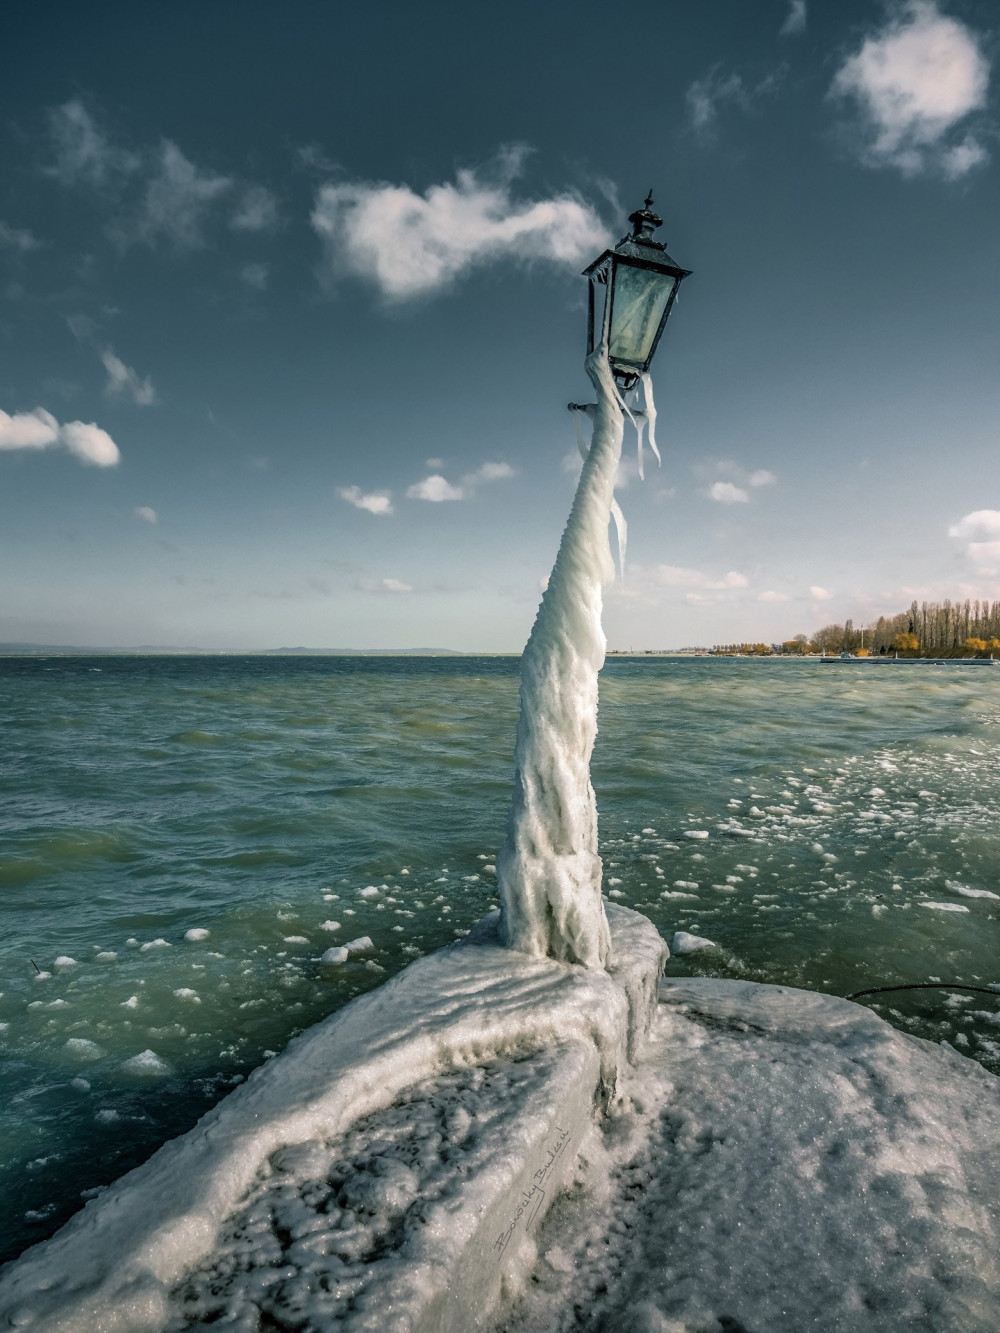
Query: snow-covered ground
point(781, 1161)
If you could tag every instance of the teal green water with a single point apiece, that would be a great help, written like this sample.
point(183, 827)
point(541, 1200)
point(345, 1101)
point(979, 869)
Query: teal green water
point(285, 805)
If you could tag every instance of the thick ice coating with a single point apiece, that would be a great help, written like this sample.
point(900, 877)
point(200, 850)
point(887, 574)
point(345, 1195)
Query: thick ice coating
point(387, 1171)
point(549, 870)
point(781, 1161)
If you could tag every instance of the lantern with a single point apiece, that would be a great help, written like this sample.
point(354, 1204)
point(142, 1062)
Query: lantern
point(632, 291)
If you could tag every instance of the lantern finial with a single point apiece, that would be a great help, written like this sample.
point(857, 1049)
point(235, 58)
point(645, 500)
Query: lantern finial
point(644, 222)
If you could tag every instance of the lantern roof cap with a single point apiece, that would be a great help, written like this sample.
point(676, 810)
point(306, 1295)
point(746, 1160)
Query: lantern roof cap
point(644, 222)
point(640, 242)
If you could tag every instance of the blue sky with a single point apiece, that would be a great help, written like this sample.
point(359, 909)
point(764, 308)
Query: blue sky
point(291, 311)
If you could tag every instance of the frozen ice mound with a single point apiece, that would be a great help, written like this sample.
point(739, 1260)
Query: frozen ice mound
point(386, 1172)
point(790, 1162)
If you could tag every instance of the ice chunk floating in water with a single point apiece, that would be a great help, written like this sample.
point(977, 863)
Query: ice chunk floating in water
point(685, 942)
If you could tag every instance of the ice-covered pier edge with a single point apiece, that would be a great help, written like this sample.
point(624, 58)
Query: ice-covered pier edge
point(310, 1198)
point(549, 868)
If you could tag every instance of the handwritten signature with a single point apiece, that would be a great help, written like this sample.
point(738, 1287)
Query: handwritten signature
point(531, 1199)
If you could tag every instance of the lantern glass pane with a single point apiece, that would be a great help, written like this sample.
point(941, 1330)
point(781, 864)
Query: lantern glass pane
point(641, 297)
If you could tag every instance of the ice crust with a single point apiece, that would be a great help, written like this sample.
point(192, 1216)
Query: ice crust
point(549, 869)
point(780, 1160)
point(386, 1172)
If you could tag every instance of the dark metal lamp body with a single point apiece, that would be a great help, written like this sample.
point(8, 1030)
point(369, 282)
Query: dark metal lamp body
point(639, 282)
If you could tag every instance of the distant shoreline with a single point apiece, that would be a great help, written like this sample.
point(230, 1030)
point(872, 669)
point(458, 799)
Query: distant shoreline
point(32, 653)
point(69, 650)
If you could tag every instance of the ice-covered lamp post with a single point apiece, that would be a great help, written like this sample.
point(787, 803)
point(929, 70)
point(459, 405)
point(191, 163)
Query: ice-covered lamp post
point(549, 870)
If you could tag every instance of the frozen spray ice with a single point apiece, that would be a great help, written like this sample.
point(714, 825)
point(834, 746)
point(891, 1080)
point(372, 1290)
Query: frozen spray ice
point(549, 869)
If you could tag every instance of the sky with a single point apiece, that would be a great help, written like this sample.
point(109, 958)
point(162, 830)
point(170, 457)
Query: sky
point(291, 310)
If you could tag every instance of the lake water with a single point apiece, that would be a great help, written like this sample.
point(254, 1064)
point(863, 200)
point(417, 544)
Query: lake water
point(287, 805)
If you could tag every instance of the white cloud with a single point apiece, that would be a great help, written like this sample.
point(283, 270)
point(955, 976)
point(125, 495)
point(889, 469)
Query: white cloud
point(257, 210)
point(961, 159)
point(17, 238)
point(492, 472)
point(772, 596)
point(434, 464)
point(728, 482)
point(255, 275)
point(40, 430)
point(434, 488)
point(795, 23)
point(175, 197)
point(981, 531)
point(375, 502)
point(394, 585)
point(413, 245)
point(82, 327)
point(676, 576)
point(913, 82)
point(707, 95)
point(980, 525)
point(146, 514)
point(762, 478)
point(820, 594)
point(178, 198)
point(90, 444)
point(28, 430)
point(486, 472)
point(123, 379)
point(84, 155)
point(725, 493)
point(313, 158)
point(984, 553)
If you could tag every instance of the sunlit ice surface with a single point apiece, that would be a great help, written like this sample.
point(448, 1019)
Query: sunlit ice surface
point(290, 806)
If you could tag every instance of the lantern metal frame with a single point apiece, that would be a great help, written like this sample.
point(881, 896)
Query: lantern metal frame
point(636, 251)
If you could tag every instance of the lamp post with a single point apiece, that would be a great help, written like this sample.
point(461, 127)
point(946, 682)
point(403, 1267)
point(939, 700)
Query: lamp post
point(549, 870)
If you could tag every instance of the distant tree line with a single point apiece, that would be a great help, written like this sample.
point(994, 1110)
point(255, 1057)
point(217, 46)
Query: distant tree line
point(745, 649)
point(925, 629)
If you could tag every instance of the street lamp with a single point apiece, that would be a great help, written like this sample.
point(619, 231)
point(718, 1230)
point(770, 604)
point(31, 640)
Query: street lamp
point(549, 869)
point(632, 291)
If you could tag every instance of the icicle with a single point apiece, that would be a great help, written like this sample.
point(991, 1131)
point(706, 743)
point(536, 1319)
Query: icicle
point(650, 415)
point(639, 421)
point(621, 528)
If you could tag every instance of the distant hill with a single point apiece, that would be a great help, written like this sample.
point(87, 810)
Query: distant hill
point(153, 649)
point(366, 652)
